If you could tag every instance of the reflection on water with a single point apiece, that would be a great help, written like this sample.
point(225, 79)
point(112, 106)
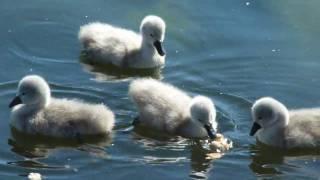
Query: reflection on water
point(198, 149)
point(34, 147)
point(107, 72)
point(200, 165)
point(153, 139)
point(264, 158)
point(268, 160)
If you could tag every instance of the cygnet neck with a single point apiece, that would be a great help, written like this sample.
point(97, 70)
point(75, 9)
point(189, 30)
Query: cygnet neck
point(40, 105)
point(191, 129)
point(147, 49)
point(284, 115)
point(273, 136)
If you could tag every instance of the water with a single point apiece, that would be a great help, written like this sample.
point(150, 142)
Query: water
point(232, 51)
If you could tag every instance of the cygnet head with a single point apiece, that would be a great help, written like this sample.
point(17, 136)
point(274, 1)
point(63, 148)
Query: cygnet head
point(32, 90)
point(268, 113)
point(202, 110)
point(153, 29)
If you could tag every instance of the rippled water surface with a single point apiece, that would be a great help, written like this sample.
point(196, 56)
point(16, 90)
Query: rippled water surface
point(233, 51)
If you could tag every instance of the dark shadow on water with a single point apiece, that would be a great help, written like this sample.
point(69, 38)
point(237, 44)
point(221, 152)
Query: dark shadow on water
point(266, 160)
point(35, 147)
point(200, 165)
point(145, 132)
point(106, 72)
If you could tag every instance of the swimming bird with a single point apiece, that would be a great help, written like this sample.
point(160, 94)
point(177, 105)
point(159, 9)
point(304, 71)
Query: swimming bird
point(166, 108)
point(275, 125)
point(107, 44)
point(34, 111)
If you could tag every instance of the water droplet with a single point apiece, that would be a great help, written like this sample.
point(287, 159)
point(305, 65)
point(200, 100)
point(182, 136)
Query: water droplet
point(275, 50)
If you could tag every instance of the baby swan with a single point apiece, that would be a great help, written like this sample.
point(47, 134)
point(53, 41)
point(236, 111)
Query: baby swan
point(36, 112)
point(107, 44)
point(168, 109)
point(274, 125)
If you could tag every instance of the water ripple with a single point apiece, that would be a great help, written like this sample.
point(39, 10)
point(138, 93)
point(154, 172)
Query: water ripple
point(39, 60)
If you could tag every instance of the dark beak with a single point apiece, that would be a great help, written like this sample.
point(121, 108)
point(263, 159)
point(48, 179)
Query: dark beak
point(255, 128)
point(209, 131)
point(15, 101)
point(158, 45)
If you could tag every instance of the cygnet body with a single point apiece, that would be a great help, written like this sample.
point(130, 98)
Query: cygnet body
point(36, 112)
point(167, 109)
point(276, 126)
point(107, 44)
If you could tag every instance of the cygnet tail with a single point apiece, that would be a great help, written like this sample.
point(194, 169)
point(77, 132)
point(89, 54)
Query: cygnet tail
point(138, 90)
point(85, 39)
point(87, 33)
point(103, 119)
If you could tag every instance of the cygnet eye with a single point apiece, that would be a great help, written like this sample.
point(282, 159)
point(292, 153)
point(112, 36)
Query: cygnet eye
point(259, 117)
point(151, 35)
point(23, 93)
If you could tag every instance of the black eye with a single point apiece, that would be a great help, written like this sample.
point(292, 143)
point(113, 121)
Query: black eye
point(259, 117)
point(23, 94)
point(151, 35)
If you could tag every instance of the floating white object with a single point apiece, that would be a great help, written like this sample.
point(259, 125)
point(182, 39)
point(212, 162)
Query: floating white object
point(34, 176)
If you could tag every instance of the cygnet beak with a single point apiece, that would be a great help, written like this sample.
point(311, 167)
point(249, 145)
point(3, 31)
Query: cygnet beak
point(15, 101)
point(209, 131)
point(158, 45)
point(255, 128)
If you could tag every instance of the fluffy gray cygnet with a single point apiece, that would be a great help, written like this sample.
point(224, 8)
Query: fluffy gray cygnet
point(34, 111)
point(107, 44)
point(274, 125)
point(170, 110)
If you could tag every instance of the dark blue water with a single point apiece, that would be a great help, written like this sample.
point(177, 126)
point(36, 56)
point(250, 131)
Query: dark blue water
point(232, 51)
